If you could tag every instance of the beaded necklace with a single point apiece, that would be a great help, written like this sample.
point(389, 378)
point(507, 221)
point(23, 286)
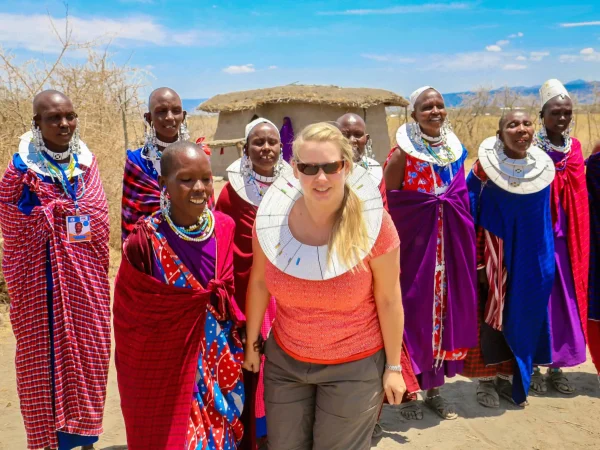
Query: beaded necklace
point(198, 232)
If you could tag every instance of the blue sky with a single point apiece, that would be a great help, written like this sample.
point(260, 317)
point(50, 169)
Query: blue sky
point(202, 48)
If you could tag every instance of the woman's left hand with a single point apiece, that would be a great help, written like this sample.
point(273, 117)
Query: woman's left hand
point(394, 387)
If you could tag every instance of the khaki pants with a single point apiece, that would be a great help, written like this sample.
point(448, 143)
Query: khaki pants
point(321, 407)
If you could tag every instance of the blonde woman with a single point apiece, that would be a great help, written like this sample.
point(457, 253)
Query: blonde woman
point(327, 251)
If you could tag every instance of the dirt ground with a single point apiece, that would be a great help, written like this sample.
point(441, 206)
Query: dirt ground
point(550, 422)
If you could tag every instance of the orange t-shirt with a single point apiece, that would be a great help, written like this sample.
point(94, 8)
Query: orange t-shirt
point(330, 321)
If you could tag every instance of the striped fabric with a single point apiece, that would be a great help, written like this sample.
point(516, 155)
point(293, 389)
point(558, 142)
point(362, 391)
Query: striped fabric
point(81, 306)
point(496, 273)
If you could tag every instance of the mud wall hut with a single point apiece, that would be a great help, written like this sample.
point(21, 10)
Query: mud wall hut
point(304, 105)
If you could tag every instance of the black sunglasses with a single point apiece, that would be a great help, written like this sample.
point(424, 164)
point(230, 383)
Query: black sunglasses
point(313, 169)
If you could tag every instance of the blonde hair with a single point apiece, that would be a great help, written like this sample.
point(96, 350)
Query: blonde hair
point(349, 237)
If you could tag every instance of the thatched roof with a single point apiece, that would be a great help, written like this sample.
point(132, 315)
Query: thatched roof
point(295, 93)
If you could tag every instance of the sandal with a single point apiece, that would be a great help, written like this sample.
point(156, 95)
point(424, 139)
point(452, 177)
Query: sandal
point(441, 407)
point(487, 395)
point(377, 431)
point(538, 383)
point(504, 389)
point(411, 411)
point(560, 382)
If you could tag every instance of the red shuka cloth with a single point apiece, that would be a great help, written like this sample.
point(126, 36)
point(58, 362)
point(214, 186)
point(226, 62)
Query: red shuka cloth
point(158, 329)
point(81, 299)
point(569, 190)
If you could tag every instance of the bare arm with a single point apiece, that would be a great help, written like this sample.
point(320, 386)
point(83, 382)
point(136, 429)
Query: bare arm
point(393, 173)
point(388, 298)
point(257, 300)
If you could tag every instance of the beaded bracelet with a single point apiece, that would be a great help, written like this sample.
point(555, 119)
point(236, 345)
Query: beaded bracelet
point(391, 368)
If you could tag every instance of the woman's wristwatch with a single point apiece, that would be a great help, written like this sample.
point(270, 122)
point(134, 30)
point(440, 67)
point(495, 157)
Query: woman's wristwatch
point(391, 368)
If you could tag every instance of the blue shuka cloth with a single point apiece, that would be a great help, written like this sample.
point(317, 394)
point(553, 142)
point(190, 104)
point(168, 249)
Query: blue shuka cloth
point(524, 223)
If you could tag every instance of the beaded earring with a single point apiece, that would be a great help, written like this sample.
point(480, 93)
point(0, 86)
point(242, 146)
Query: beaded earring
point(165, 203)
point(246, 166)
point(184, 134)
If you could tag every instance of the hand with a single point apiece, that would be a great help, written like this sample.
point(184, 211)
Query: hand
point(251, 359)
point(394, 387)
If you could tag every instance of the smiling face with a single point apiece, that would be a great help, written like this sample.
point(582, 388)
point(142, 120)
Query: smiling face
point(165, 112)
point(430, 112)
point(354, 129)
point(516, 132)
point(326, 191)
point(263, 148)
point(557, 114)
point(55, 116)
point(187, 178)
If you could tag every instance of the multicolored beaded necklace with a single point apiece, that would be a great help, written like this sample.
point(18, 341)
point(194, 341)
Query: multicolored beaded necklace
point(198, 232)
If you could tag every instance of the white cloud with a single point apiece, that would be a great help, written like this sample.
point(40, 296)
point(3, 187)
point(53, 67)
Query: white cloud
point(235, 70)
point(493, 48)
point(586, 54)
point(35, 33)
point(273, 67)
point(521, 58)
point(580, 24)
point(388, 58)
point(503, 42)
point(466, 61)
point(514, 67)
point(516, 35)
point(406, 9)
point(538, 56)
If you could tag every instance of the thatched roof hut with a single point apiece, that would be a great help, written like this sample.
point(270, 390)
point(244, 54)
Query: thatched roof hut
point(303, 104)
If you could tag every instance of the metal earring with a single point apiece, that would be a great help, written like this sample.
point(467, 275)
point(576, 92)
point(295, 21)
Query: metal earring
point(446, 129)
point(246, 166)
point(165, 203)
point(278, 169)
point(74, 146)
point(184, 134)
point(38, 140)
point(369, 149)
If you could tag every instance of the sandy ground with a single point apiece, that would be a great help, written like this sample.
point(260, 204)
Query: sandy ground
point(550, 422)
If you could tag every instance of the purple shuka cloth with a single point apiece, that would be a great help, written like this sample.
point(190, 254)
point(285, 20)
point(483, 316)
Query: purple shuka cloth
point(415, 216)
point(287, 138)
point(199, 257)
point(568, 342)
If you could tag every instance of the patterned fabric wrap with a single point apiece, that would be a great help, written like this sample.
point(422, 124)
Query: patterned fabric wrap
point(81, 297)
point(141, 193)
point(168, 334)
point(569, 190)
point(593, 186)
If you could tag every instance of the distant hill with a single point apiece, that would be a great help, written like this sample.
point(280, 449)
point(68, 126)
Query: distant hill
point(190, 104)
point(584, 90)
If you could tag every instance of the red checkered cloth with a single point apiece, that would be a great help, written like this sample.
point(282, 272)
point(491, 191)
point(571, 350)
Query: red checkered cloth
point(81, 298)
point(569, 190)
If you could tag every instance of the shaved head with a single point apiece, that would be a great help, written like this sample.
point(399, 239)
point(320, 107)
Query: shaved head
point(161, 93)
point(350, 118)
point(45, 99)
point(170, 159)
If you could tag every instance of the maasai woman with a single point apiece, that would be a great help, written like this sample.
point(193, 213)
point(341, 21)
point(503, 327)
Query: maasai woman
point(429, 203)
point(58, 286)
point(354, 128)
point(249, 179)
point(570, 215)
point(509, 188)
point(593, 185)
point(178, 354)
point(328, 252)
point(165, 122)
